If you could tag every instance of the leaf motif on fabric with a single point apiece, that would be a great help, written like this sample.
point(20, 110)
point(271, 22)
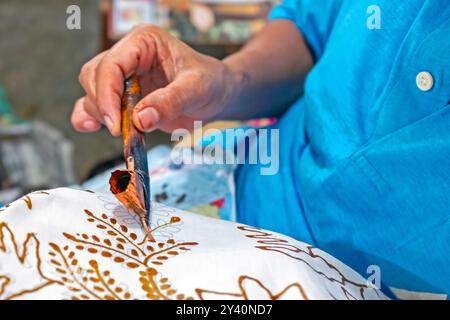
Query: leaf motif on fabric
point(122, 246)
point(24, 260)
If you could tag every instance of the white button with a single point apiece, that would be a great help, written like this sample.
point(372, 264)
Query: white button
point(424, 81)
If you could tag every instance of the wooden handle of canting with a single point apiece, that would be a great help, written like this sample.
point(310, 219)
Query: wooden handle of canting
point(133, 140)
point(132, 186)
point(130, 135)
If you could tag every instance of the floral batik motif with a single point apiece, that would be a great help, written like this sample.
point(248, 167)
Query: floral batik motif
point(71, 244)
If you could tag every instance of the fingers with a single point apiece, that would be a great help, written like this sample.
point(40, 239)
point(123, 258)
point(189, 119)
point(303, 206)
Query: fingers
point(182, 122)
point(87, 75)
point(91, 108)
point(81, 120)
point(169, 103)
point(102, 78)
point(134, 54)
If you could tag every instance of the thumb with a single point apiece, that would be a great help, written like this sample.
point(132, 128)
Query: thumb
point(168, 103)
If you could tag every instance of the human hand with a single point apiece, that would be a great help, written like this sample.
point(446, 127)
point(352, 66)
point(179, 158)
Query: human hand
point(178, 84)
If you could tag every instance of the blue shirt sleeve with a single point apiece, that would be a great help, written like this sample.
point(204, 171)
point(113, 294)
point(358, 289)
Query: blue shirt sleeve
point(314, 18)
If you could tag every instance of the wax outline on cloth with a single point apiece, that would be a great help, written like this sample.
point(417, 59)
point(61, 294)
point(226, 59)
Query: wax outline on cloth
point(144, 253)
point(26, 199)
point(122, 247)
point(77, 269)
point(245, 295)
point(269, 242)
point(21, 256)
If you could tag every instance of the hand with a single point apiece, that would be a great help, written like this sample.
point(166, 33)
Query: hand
point(178, 84)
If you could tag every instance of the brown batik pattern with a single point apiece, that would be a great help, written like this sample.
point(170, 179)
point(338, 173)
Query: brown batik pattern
point(20, 257)
point(243, 294)
point(83, 279)
point(27, 200)
point(269, 242)
point(116, 242)
point(122, 247)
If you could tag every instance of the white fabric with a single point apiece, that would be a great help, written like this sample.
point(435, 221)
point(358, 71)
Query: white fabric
point(71, 244)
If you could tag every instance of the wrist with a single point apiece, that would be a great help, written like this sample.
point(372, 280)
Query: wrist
point(235, 83)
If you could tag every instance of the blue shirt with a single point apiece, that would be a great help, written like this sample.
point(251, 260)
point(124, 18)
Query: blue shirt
point(365, 154)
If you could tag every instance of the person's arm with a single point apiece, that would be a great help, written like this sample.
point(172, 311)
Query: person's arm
point(270, 71)
point(180, 84)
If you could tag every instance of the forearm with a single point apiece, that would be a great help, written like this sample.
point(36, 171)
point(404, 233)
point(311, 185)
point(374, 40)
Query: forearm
point(268, 72)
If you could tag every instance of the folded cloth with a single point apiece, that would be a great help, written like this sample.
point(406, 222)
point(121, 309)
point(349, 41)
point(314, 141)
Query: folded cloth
point(74, 244)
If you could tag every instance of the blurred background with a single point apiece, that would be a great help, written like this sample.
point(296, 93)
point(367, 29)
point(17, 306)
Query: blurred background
point(40, 59)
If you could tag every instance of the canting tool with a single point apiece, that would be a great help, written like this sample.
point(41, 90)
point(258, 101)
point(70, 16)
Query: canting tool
point(132, 186)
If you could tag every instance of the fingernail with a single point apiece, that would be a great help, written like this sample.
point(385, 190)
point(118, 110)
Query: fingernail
point(109, 123)
point(148, 118)
point(90, 125)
